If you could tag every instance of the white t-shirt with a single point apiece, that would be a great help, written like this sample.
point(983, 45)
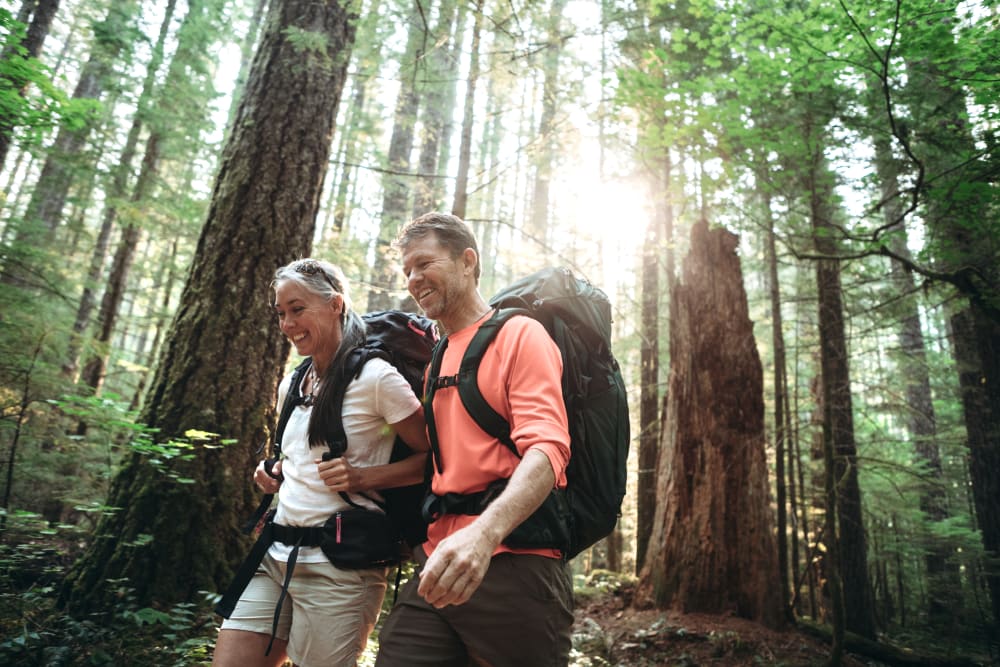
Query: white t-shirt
point(378, 397)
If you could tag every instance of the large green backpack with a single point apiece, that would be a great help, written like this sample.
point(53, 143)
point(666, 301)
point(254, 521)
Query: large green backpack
point(577, 316)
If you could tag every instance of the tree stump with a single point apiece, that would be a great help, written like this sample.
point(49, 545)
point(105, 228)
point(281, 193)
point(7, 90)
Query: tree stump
point(712, 549)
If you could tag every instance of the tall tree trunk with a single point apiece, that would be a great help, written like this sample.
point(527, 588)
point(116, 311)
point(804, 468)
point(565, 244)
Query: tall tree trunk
point(545, 158)
point(649, 358)
point(799, 472)
point(957, 183)
point(833, 557)
point(440, 74)
point(976, 339)
point(780, 405)
point(712, 548)
point(116, 194)
point(837, 406)
point(42, 12)
point(396, 180)
point(943, 581)
point(461, 200)
point(223, 356)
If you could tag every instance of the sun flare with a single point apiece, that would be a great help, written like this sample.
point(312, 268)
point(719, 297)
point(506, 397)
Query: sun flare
point(610, 217)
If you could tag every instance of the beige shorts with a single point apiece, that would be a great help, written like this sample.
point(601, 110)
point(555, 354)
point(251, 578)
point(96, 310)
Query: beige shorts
point(326, 617)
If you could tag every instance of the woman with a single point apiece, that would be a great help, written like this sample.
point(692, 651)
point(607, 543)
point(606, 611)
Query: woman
point(329, 612)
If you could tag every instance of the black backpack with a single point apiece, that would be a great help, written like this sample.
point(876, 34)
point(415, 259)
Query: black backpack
point(406, 341)
point(577, 316)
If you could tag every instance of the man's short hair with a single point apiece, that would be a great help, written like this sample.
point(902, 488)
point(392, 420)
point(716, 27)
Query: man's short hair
point(451, 231)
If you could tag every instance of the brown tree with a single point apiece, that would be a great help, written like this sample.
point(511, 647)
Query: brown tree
point(222, 358)
point(396, 180)
point(712, 549)
point(468, 117)
point(660, 226)
point(957, 184)
point(838, 417)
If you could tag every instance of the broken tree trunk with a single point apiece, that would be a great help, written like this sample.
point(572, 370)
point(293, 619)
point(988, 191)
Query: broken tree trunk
point(712, 549)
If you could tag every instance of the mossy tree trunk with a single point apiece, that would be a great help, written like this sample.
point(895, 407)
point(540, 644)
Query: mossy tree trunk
point(223, 355)
point(712, 548)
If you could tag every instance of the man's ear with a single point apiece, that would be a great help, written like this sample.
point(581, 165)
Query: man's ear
point(469, 259)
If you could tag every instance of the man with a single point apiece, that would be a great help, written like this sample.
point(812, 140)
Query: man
point(475, 600)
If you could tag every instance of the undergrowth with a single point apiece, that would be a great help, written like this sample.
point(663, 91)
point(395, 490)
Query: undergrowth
point(34, 631)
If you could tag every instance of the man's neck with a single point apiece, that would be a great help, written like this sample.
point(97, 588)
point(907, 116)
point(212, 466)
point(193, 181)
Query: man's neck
point(469, 314)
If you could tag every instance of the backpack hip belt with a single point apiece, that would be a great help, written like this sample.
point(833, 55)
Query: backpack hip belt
point(461, 503)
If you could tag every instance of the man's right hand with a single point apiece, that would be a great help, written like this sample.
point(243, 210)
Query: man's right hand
point(456, 568)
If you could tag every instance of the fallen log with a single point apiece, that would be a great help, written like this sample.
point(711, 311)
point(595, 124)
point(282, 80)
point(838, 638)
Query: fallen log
point(886, 653)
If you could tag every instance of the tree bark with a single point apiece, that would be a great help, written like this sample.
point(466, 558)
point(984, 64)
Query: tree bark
point(712, 548)
point(223, 356)
point(838, 416)
point(976, 339)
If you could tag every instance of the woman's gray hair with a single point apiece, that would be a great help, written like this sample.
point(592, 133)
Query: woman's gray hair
point(326, 280)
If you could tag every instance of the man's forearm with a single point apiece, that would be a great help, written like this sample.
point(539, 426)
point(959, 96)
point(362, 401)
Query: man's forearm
point(526, 490)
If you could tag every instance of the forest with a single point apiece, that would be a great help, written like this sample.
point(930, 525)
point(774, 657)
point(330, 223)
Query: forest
point(794, 207)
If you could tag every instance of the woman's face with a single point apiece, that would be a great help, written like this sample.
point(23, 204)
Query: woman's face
point(312, 324)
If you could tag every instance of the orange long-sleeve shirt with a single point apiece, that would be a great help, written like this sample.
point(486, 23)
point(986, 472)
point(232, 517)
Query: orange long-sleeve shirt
point(520, 377)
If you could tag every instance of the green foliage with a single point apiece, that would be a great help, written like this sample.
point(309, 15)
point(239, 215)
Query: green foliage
point(29, 100)
point(34, 631)
point(598, 583)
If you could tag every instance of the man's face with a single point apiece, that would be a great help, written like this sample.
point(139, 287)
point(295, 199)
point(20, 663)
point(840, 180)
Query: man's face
point(434, 279)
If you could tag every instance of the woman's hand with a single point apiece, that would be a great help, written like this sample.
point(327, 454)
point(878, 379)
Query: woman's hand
point(340, 475)
point(264, 481)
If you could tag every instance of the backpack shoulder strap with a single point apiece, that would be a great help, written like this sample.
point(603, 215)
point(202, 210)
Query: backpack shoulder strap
point(292, 398)
point(488, 419)
point(336, 439)
point(355, 360)
point(430, 388)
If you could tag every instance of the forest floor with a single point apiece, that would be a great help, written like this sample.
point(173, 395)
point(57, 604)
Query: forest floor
point(608, 631)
